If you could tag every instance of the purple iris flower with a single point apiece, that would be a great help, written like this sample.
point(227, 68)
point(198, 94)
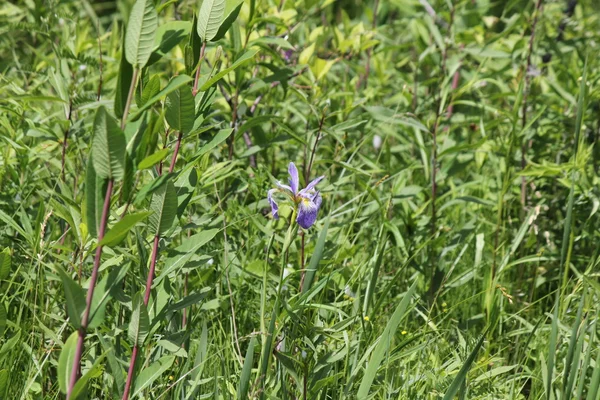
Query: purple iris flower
point(307, 200)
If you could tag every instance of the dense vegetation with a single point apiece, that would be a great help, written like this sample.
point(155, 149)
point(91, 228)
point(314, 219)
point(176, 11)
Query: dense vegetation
point(145, 148)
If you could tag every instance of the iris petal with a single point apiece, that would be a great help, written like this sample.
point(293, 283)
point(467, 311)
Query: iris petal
point(308, 210)
point(282, 186)
point(274, 207)
point(312, 185)
point(294, 180)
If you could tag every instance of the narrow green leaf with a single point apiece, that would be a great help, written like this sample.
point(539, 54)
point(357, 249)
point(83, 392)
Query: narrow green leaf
point(173, 84)
point(242, 392)
point(460, 378)
point(118, 232)
point(180, 109)
point(243, 59)
point(184, 252)
point(384, 343)
point(232, 10)
point(210, 18)
point(80, 391)
point(103, 292)
point(108, 147)
point(139, 327)
point(3, 319)
point(315, 259)
point(141, 29)
point(151, 89)
point(219, 138)
point(5, 259)
point(164, 208)
point(151, 373)
point(66, 360)
point(153, 159)
point(74, 296)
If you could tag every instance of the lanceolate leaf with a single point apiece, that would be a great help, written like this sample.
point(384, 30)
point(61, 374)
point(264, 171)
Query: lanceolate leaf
point(180, 109)
point(139, 327)
point(74, 296)
point(164, 208)
point(123, 83)
point(139, 39)
point(151, 373)
point(210, 18)
point(118, 232)
point(4, 263)
point(232, 10)
point(173, 84)
point(243, 59)
point(65, 361)
point(108, 147)
point(384, 343)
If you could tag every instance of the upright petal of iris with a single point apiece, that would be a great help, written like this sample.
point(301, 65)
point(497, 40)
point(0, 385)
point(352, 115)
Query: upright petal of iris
point(294, 180)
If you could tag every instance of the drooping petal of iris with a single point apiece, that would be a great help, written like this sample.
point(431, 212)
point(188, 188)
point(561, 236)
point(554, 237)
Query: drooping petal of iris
point(274, 207)
point(308, 208)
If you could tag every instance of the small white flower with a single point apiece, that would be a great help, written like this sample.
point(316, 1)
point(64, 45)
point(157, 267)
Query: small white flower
point(377, 141)
point(303, 354)
point(210, 262)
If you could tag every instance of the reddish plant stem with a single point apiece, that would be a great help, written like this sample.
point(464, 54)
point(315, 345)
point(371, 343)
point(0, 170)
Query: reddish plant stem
point(90, 294)
point(176, 152)
point(197, 78)
point(129, 97)
point(135, 351)
point(314, 149)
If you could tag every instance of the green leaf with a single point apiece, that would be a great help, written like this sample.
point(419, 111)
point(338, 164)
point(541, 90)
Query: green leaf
point(173, 84)
point(180, 109)
point(243, 59)
point(151, 89)
point(95, 191)
point(118, 232)
point(153, 159)
point(3, 382)
point(315, 259)
point(3, 319)
point(74, 296)
point(139, 327)
point(164, 208)
point(210, 18)
point(66, 360)
point(102, 293)
point(80, 389)
point(5, 263)
point(242, 392)
point(219, 138)
point(151, 373)
point(459, 379)
point(184, 252)
point(141, 29)
point(123, 83)
point(232, 10)
point(384, 343)
point(108, 147)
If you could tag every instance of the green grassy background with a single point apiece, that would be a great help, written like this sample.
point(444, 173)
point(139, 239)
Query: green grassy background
point(455, 252)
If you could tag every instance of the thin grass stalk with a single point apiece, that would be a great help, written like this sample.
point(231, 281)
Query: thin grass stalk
point(567, 244)
point(75, 370)
point(538, 10)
